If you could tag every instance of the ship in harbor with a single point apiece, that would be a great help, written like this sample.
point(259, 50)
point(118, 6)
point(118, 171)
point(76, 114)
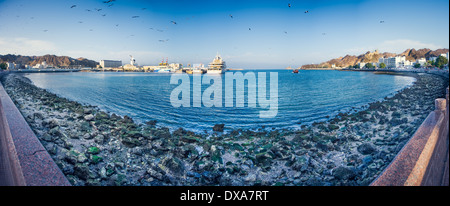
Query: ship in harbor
point(217, 66)
point(196, 69)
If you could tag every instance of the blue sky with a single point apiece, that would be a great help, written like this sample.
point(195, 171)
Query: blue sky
point(280, 36)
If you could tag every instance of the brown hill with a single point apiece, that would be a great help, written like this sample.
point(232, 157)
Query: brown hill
point(348, 60)
point(52, 60)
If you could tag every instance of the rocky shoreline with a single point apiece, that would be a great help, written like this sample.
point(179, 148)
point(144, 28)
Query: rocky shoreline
point(93, 147)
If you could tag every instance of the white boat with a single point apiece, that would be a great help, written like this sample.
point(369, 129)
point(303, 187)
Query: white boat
point(163, 70)
point(217, 66)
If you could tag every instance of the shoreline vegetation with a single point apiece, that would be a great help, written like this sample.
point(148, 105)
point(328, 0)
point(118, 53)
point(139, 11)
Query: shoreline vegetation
point(93, 147)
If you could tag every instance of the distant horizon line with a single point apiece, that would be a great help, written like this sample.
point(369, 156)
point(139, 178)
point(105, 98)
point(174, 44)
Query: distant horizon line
point(236, 68)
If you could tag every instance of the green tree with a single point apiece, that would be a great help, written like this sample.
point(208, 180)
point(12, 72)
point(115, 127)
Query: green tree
point(3, 66)
point(356, 66)
point(382, 65)
point(441, 61)
point(369, 66)
point(417, 65)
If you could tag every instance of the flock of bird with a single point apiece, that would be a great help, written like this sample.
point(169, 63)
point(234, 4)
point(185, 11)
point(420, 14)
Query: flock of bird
point(110, 3)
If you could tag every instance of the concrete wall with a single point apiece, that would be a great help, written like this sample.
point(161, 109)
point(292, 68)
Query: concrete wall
point(25, 160)
point(423, 161)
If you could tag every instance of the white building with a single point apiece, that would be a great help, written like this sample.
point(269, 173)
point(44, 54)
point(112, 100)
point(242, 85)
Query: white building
point(10, 66)
point(421, 61)
point(362, 64)
point(110, 63)
point(446, 55)
point(43, 65)
point(432, 58)
point(395, 62)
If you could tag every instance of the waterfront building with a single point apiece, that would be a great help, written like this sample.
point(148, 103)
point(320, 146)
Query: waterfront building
point(110, 63)
point(10, 66)
point(395, 62)
point(362, 64)
point(432, 59)
point(42, 65)
point(421, 61)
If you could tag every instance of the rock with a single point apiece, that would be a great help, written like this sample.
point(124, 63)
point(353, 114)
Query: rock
point(87, 111)
point(99, 139)
point(333, 127)
point(38, 115)
point(101, 116)
point(344, 173)
point(174, 164)
point(218, 127)
point(151, 123)
point(250, 178)
point(85, 126)
point(366, 148)
point(87, 136)
point(81, 171)
point(89, 117)
point(95, 159)
point(82, 158)
point(301, 163)
point(53, 123)
point(93, 150)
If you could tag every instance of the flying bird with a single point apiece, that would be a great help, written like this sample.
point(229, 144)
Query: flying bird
point(73, 6)
point(88, 10)
point(306, 11)
point(45, 30)
point(249, 29)
point(381, 22)
point(135, 17)
point(117, 24)
point(285, 32)
point(289, 5)
point(231, 16)
point(98, 9)
point(104, 15)
point(109, 1)
point(173, 22)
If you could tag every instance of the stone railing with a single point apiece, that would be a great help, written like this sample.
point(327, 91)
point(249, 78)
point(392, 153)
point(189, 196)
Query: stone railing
point(23, 159)
point(423, 161)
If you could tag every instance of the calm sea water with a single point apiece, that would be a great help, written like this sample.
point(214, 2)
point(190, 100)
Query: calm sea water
point(302, 98)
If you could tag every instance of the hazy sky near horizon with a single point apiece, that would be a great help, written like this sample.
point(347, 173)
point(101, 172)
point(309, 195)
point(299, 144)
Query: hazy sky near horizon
point(260, 33)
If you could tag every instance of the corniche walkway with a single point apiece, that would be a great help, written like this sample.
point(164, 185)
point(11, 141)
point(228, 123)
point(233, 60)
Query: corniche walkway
point(29, 162)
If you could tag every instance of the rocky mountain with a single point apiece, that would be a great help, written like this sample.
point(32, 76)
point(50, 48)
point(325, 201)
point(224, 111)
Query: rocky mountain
point(410, 54)
point(52, 60)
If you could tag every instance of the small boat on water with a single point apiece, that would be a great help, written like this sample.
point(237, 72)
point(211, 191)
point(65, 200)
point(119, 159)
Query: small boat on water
point(295, 71)
point(196, 69)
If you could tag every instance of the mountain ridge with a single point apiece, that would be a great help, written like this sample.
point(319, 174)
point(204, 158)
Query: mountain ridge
point(350, 60)
point(52, 60)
